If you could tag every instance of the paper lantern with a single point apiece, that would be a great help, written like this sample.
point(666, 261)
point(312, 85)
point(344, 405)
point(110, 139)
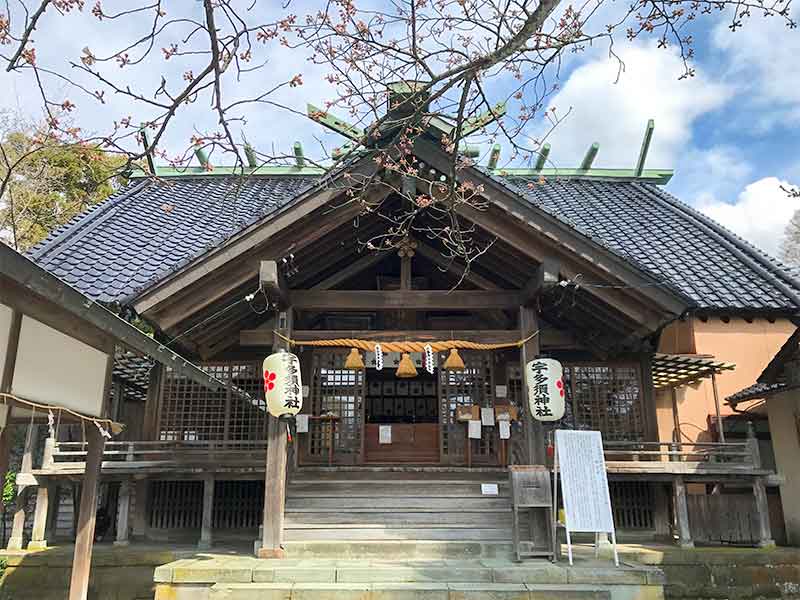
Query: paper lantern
point(282, 386)
point(354, 361)
point(454, 362)
point(406, 367)
point(546, 394)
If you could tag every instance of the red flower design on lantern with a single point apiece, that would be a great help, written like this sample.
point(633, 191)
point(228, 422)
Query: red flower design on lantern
point(269, 381)
point(560, 386)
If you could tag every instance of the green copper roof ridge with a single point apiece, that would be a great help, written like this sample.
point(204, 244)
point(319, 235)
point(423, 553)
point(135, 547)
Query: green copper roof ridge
point(661, 176)
point(221, 170)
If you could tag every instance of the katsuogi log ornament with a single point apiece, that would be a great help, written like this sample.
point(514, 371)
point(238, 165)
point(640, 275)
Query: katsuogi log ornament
point(283, 389)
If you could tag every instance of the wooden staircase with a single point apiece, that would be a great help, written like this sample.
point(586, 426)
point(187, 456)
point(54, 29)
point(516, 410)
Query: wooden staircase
point(373, 504)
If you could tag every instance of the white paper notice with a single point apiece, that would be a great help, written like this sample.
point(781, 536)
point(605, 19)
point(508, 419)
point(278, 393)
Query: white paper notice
point(583, 480)
point(385, 434)
point(475, 430)
point(305, 391)
point(500, 391)
point(302, 423)
point(487, 417)
point(489, 489)
point(505, 429)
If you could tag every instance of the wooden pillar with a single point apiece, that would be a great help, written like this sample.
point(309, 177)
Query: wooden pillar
point(40, 514)
point(528, 324)
point(759, 491)
point(140, 509)
point(682, 514)
point(676, 421)
point(6, 379)
point(54, 498)
point(720, 428)
point(208, 513)
point(15, 542)
point(84, 537)
point(661, 522)
point(275, 471)
point(84, 540)
point(123, 513)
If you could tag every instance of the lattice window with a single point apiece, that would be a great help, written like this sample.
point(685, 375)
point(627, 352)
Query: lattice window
point(176, 504)
point(238, 504)
point(340, 391)
point(473, 385)
point(606, 398)
point(633, 503)
point(192, 412)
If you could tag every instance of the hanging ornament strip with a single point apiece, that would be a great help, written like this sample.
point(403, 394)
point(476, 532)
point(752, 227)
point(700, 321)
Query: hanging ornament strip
point(51, 421)
point(103, 432)
point(429, 358)
point(378, 358)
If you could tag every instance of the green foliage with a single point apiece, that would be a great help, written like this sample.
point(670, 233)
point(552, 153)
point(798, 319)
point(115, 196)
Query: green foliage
point(9, 488)
point(47, 182)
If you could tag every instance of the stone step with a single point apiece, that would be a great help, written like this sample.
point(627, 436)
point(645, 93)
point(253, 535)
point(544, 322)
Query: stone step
point(415, 591)
point(380, 489)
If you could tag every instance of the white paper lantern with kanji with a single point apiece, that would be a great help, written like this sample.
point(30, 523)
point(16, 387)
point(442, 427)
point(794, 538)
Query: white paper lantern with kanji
point(546, 394)
point(283, 388)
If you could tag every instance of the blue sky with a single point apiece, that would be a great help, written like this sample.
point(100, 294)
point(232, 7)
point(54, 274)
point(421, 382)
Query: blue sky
point(731, 133)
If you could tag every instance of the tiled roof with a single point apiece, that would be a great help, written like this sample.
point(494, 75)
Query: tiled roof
point(757, 391)
point(150, 229)
point(709, 265)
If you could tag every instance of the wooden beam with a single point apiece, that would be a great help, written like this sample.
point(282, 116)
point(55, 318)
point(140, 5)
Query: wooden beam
point(648, 135)
point(549, 337)
point(11, 352)
point(544, 153)
point(494, 156)
point(403, 299)
point(591, 153)
point(455, 267)
point(547, 275)
point(360, 264)
point(272, 282)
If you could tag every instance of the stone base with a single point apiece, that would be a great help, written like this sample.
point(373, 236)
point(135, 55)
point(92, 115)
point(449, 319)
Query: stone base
point(271, 553)
point(204, 545)
point(121, 543)
point(37, 545)
point(15, 543)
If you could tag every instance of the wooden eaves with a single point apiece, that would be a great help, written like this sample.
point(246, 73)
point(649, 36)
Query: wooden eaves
point(28, 288)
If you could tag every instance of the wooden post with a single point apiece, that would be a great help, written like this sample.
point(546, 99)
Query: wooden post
point(84, 536)
point(720, 429)
point(759, 491)
point(6, 379)
point(51, 530)
point(676, 421)
point(275, 472)
point(208, 513)
point(15, 542)
point(43, 496)
point(140, 509)
point(528, 324)
point(38, 533)
point(123, 513)
point(682, 514)
point(84, 541)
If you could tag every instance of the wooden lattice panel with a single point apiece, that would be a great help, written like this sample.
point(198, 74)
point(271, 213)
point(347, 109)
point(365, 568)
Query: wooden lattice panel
point(473, 385)
point(340, 391)
point(192, 412)
point(633, 503)
point(606, 398)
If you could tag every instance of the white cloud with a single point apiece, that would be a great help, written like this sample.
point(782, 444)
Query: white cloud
point(759, 214)
point(762, 60)
point(615, 114)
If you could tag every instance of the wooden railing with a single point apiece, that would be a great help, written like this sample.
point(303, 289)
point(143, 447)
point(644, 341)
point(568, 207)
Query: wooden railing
point(159, 454)
point(684, 457)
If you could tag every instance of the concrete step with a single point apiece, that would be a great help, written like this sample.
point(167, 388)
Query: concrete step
point(490, 518)
point(410, 591)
